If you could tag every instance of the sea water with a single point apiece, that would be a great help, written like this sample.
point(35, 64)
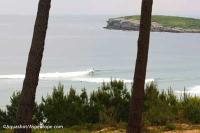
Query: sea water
point(80, 53)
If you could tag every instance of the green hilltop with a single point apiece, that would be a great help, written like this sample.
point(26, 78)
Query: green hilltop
point(171, 21)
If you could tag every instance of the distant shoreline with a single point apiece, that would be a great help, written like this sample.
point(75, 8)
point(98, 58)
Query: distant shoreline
point(159, 24)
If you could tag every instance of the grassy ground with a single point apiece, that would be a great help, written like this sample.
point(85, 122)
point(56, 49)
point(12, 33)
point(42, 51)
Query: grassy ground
point(175, 128)
point(88, 128)
point(55, 131)
point(172, 21)
point(65, 130)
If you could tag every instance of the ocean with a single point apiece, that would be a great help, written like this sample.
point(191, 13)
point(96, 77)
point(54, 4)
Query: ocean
point(80, 53)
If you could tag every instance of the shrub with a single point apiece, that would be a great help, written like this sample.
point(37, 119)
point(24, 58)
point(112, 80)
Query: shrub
point(158, 106)
point(11, 111)
point(192, 109)
point(12, 108)
point(53, 106)
point(107, 105)
point(3, 119)
point(170, 126)
point(67, 110)
point(111, 101)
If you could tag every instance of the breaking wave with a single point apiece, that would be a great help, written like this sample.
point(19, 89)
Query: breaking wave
point(80, 76)
point(195, 90)
point(106, 80)
point(51, 75)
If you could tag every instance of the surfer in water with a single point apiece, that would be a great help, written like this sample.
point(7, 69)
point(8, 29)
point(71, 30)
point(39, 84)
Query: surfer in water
point(92, 71)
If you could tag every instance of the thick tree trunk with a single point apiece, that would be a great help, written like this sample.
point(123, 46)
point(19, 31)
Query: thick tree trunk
point(137, 99)
point(25, 110)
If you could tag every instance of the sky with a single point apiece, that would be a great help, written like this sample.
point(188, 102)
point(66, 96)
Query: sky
point(104, 7)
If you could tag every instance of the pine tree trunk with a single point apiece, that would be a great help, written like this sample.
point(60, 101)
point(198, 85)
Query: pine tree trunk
point(137, 99)
point(25, 110)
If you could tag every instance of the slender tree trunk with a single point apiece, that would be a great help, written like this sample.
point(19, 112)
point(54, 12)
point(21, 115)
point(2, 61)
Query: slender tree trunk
point(25, 110)
point(137, 99)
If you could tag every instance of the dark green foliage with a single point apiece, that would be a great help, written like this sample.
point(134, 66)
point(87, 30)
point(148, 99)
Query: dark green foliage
point(84, 97)
point(12, 109)
point(191, 108)
point(67, 110)
point(3, 119)
point(157, 107)
point(53, 106)
point(160, 108)
point(107, 105)
point(112, 101)
point(74, 109)
point(9, 116)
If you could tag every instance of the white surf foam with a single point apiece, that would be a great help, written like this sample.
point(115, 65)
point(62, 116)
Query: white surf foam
point(14, 76)
point(82, 76)
point(106, 80)
point(149, 80)
point(195, 90)
point(51, 75)
point(99, 80)
point(66, 74)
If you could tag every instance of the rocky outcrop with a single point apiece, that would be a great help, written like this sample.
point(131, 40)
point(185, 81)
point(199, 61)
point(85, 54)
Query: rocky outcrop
point(125, 24)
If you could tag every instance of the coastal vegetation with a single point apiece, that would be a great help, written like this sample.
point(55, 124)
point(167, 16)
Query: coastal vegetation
point(106, 106)
point(111, 105)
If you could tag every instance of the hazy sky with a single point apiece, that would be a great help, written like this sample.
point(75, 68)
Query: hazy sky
point(126, 7)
